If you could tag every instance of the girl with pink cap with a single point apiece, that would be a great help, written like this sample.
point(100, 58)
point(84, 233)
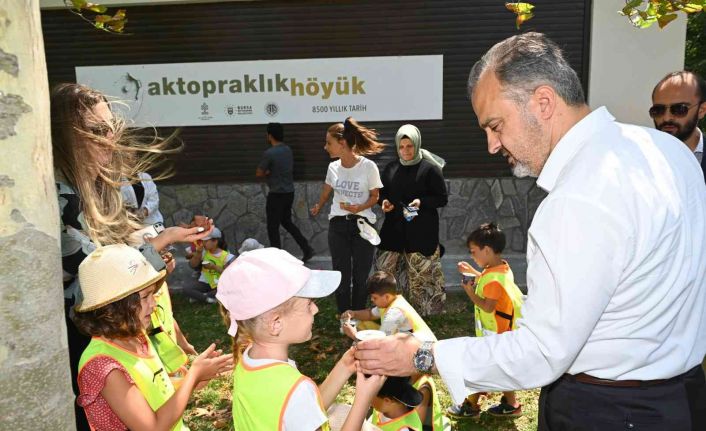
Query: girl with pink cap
point(269, 294)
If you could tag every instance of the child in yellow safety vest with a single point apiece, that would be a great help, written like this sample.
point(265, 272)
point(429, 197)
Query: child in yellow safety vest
point(393, 310)
point(268, 297)
point(213, 258)
point(122, 380)
point(395, 407)
point(497, 304)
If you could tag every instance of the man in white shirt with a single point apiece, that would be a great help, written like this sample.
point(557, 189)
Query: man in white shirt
point(678, 104)
point(613, 328)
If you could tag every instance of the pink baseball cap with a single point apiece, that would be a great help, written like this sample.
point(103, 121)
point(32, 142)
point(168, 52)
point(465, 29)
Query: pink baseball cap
point(260, 280)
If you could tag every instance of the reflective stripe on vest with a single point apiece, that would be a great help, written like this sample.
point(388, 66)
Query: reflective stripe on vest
point(261, 394)
point(147, 371)
point(211, 275)
point(410, 420)
point(439, 422)
point(419, 326)
point(485, 322)
point(163, 333)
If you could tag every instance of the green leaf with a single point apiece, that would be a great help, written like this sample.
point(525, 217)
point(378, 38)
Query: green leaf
point(103, 18)
point(523, 11)
point(97, 8)
point(666, 19)
point(78, 4)
point(117, 26)
point(99, 25)
point(691, 8)
point(627, 10)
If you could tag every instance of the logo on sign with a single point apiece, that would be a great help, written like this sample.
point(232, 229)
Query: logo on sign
point(230, 110)
point(204, 108)
point(271, 109)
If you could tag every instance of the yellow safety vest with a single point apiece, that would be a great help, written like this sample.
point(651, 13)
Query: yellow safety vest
point(147, 371)
point(163, 333)
point(410, 420)
point(260, 395)
point(485, 322)
point(211, 275)
point(419, 326)
point(439, 422)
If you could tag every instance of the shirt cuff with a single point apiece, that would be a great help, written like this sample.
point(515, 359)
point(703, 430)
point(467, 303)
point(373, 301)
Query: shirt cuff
point(449, 360)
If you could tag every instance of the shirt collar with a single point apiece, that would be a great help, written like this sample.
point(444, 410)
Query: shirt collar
point(569, 144)
point(700, 145)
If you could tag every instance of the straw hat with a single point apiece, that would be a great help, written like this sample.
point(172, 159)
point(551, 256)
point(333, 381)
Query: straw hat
point(113, 272)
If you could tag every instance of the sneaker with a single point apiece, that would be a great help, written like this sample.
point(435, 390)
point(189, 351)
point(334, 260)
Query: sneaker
point(505, 410)
point(308, 253)
point(463, 411)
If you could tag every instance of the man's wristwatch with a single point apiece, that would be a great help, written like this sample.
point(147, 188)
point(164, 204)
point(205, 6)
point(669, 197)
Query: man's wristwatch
point(424, 358)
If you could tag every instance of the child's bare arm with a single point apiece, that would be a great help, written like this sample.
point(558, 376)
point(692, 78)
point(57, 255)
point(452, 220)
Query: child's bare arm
point(467, 267)
point(344, 368)
point(359, 314)
point(485, 304)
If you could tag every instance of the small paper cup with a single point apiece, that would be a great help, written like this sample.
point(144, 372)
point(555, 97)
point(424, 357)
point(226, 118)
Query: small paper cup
point(369, 334)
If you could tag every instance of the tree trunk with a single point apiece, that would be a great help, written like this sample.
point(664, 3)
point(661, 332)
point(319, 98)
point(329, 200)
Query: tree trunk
point(34, 366)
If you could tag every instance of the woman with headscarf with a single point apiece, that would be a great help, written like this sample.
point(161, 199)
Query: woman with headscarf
point(413, 190)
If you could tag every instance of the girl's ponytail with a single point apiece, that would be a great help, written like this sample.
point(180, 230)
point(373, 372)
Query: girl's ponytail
point(360, 139)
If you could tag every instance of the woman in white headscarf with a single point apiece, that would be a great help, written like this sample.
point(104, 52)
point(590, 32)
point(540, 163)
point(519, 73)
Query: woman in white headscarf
point(413, 190)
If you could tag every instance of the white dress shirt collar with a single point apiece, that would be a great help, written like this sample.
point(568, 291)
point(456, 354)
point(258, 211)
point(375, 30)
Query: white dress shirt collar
point(569, 145)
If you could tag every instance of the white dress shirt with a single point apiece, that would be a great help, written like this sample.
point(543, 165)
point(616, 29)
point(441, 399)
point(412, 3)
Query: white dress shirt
point(150, 201)
point(616, 268)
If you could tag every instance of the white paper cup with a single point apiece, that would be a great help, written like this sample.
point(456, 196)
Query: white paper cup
point(369, 334)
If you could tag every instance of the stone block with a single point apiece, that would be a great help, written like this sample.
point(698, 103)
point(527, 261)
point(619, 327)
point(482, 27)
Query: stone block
point(214, 207)
point(497, 193)
point(167, 204)
point(191, 195)
point(237, 203)
point(454, 186)
point(226, 219)
point(223, 190)
point(506, 209)
point(508, 222)
point(508, 186)
point(182, 216)
point(256, 205)
point(249, 226)
point(519, 242)
point(320, 243)
point(212, 191)
point(524, 185)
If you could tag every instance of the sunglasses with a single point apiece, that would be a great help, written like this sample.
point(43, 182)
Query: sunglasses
point(677, 110)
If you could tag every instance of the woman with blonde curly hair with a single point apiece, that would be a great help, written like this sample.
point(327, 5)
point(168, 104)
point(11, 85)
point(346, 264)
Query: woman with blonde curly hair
point(93, 153)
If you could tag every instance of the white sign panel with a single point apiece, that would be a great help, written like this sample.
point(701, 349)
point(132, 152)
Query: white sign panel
point(325, 90)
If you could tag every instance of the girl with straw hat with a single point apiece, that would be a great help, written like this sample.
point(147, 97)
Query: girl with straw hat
point(122, 381)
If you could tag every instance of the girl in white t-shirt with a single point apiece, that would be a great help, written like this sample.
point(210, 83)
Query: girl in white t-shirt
point(355, 183)
point(268, 295)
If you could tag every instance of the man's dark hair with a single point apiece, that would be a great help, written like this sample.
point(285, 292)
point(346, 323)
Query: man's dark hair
point(276, 131)
point(382, 282)
point(488, 235)
point(700, 82)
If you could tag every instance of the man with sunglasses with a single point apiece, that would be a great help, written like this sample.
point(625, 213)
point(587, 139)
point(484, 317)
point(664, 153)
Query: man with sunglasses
point(678, 104)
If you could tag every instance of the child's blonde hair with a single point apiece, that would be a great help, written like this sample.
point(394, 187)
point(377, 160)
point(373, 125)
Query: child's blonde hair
point(247, 328)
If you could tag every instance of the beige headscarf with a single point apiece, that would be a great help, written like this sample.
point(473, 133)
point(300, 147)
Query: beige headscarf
point(411, 132)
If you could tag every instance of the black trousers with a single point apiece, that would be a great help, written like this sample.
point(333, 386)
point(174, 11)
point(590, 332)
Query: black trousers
point(678, 404)
point(353, 256)
point(279, 212)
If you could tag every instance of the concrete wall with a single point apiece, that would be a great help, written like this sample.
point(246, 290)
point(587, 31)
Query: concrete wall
point(627, 62)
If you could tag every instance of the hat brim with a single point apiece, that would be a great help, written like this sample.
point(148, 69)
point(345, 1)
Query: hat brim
point(320, 284)
point(158, 279)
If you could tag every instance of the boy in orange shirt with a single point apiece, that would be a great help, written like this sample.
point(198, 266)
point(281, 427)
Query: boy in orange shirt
point(497, 301)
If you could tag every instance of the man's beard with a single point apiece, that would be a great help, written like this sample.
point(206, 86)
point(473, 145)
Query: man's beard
point(533, 133)
point(521, 170)
point(683, 132)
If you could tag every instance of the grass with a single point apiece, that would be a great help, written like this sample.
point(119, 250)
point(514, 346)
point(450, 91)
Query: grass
point(210, 408)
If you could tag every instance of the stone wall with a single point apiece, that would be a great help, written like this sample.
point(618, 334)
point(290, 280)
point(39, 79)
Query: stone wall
point(239, 211)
